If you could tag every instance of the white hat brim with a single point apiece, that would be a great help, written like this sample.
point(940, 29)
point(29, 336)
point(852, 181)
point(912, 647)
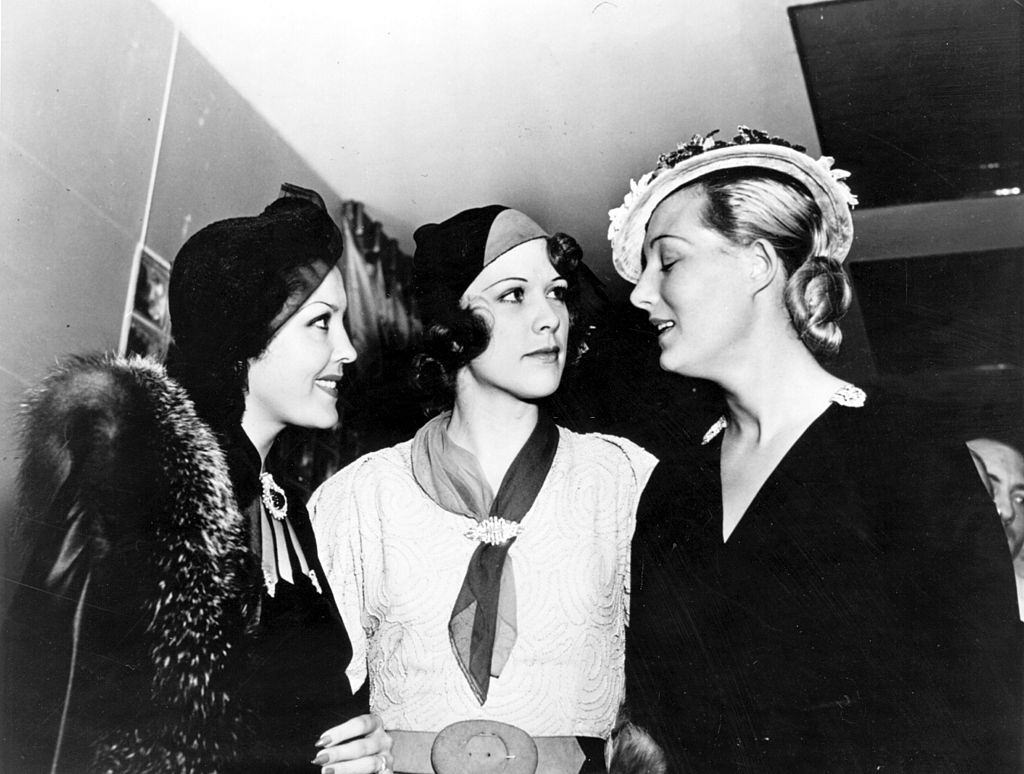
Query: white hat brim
point(831, 196)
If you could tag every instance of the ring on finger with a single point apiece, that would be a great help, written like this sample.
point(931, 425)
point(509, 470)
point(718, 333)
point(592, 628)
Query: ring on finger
point(382, 768)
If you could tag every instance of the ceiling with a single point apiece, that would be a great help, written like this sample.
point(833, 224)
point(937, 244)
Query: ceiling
point(923, 100)
point(547, 106)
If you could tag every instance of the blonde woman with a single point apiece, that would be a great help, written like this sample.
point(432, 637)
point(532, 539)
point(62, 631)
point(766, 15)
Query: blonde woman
point(811, 589)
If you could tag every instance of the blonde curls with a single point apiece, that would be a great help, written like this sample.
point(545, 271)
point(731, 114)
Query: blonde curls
point(818, 294)
point(747, 204)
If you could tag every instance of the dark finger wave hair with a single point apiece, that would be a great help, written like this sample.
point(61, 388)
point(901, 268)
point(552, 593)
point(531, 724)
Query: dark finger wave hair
point(457, 335)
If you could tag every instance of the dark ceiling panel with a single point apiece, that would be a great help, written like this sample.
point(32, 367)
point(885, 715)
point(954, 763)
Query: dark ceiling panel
point(921, 99)
point(944, 313)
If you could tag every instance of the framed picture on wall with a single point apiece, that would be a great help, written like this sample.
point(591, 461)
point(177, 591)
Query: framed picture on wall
point(149, 328)
point(144, 338)
point(151, 290)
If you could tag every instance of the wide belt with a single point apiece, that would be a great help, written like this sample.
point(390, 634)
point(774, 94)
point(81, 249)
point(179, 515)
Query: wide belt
point(487, 745)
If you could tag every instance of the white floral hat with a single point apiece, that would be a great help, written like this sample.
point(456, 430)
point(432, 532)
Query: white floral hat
point(702, 155)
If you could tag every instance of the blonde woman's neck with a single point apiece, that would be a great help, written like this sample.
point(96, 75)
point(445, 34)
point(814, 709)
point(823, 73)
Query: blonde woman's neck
point(776, 390)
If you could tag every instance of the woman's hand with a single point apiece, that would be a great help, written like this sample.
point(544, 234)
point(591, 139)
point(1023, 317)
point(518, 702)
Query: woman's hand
point(357, 746)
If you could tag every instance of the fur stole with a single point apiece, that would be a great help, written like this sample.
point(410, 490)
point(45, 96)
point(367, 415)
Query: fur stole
point(134, 513)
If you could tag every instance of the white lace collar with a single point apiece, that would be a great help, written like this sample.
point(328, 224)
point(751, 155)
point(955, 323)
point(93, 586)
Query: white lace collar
point(848, 395)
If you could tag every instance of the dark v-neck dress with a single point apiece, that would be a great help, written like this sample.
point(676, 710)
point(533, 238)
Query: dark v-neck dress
point(862, 614)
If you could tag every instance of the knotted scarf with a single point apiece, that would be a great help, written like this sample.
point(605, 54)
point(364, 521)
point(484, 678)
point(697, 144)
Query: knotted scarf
point(482, 627)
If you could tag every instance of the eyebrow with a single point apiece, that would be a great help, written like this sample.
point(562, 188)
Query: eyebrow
point(505, 279)
point(669, 236)
point(330, 306)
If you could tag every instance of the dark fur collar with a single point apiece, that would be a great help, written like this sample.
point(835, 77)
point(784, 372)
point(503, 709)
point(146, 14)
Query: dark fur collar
point(114, 454)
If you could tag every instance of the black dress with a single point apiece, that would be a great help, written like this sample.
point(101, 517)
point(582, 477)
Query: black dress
point(296, 648)
point(860, 617)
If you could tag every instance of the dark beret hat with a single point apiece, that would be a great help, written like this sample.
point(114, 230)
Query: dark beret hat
point(450, 254)
point(238, 280)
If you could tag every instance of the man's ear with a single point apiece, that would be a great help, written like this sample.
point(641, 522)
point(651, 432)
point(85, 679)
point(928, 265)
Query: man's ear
point(764, 264)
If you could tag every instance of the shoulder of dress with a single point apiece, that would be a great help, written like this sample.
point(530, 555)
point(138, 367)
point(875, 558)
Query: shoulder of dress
point(363, 470)
point(612, 447)
point(387, 457)
point(602, 441)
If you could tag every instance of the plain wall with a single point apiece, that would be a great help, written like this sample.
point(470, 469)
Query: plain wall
point(80, 101)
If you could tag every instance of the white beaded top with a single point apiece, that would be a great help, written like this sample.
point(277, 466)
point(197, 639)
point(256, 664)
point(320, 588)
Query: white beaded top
point(396, 561)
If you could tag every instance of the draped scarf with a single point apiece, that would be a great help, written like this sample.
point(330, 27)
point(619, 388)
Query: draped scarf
point(482, 627)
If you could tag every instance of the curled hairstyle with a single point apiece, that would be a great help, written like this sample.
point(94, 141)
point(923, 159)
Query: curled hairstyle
point(454, 335)
point(745, 205)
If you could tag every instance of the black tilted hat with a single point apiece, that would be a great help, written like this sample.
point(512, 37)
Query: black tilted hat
point(238, 280)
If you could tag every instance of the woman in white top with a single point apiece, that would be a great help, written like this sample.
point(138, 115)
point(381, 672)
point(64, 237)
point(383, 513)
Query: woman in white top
point(483, 566)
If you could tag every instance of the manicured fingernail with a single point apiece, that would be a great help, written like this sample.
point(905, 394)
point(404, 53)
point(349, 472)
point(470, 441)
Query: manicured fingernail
point(321, 759)
point(323, 741)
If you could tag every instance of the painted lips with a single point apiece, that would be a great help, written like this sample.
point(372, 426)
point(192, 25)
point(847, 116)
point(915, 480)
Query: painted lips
point(545, 355)
point(329, 384)
point(662, 326)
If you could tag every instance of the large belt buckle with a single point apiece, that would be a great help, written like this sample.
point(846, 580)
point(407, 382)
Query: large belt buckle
point(481, 747)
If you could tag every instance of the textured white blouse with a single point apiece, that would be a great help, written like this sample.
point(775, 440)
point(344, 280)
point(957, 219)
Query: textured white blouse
point(396, 562)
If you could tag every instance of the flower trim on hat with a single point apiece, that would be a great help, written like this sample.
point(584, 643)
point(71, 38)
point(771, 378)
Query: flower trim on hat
point(618, 216)
point(700, 143)
point(697, 145)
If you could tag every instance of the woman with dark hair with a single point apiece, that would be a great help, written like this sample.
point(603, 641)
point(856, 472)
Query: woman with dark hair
point(814, 590)
point(176, 614)
point(482, 567)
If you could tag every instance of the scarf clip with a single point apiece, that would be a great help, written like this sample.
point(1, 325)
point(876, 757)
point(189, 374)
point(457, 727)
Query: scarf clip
point(494, 531)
